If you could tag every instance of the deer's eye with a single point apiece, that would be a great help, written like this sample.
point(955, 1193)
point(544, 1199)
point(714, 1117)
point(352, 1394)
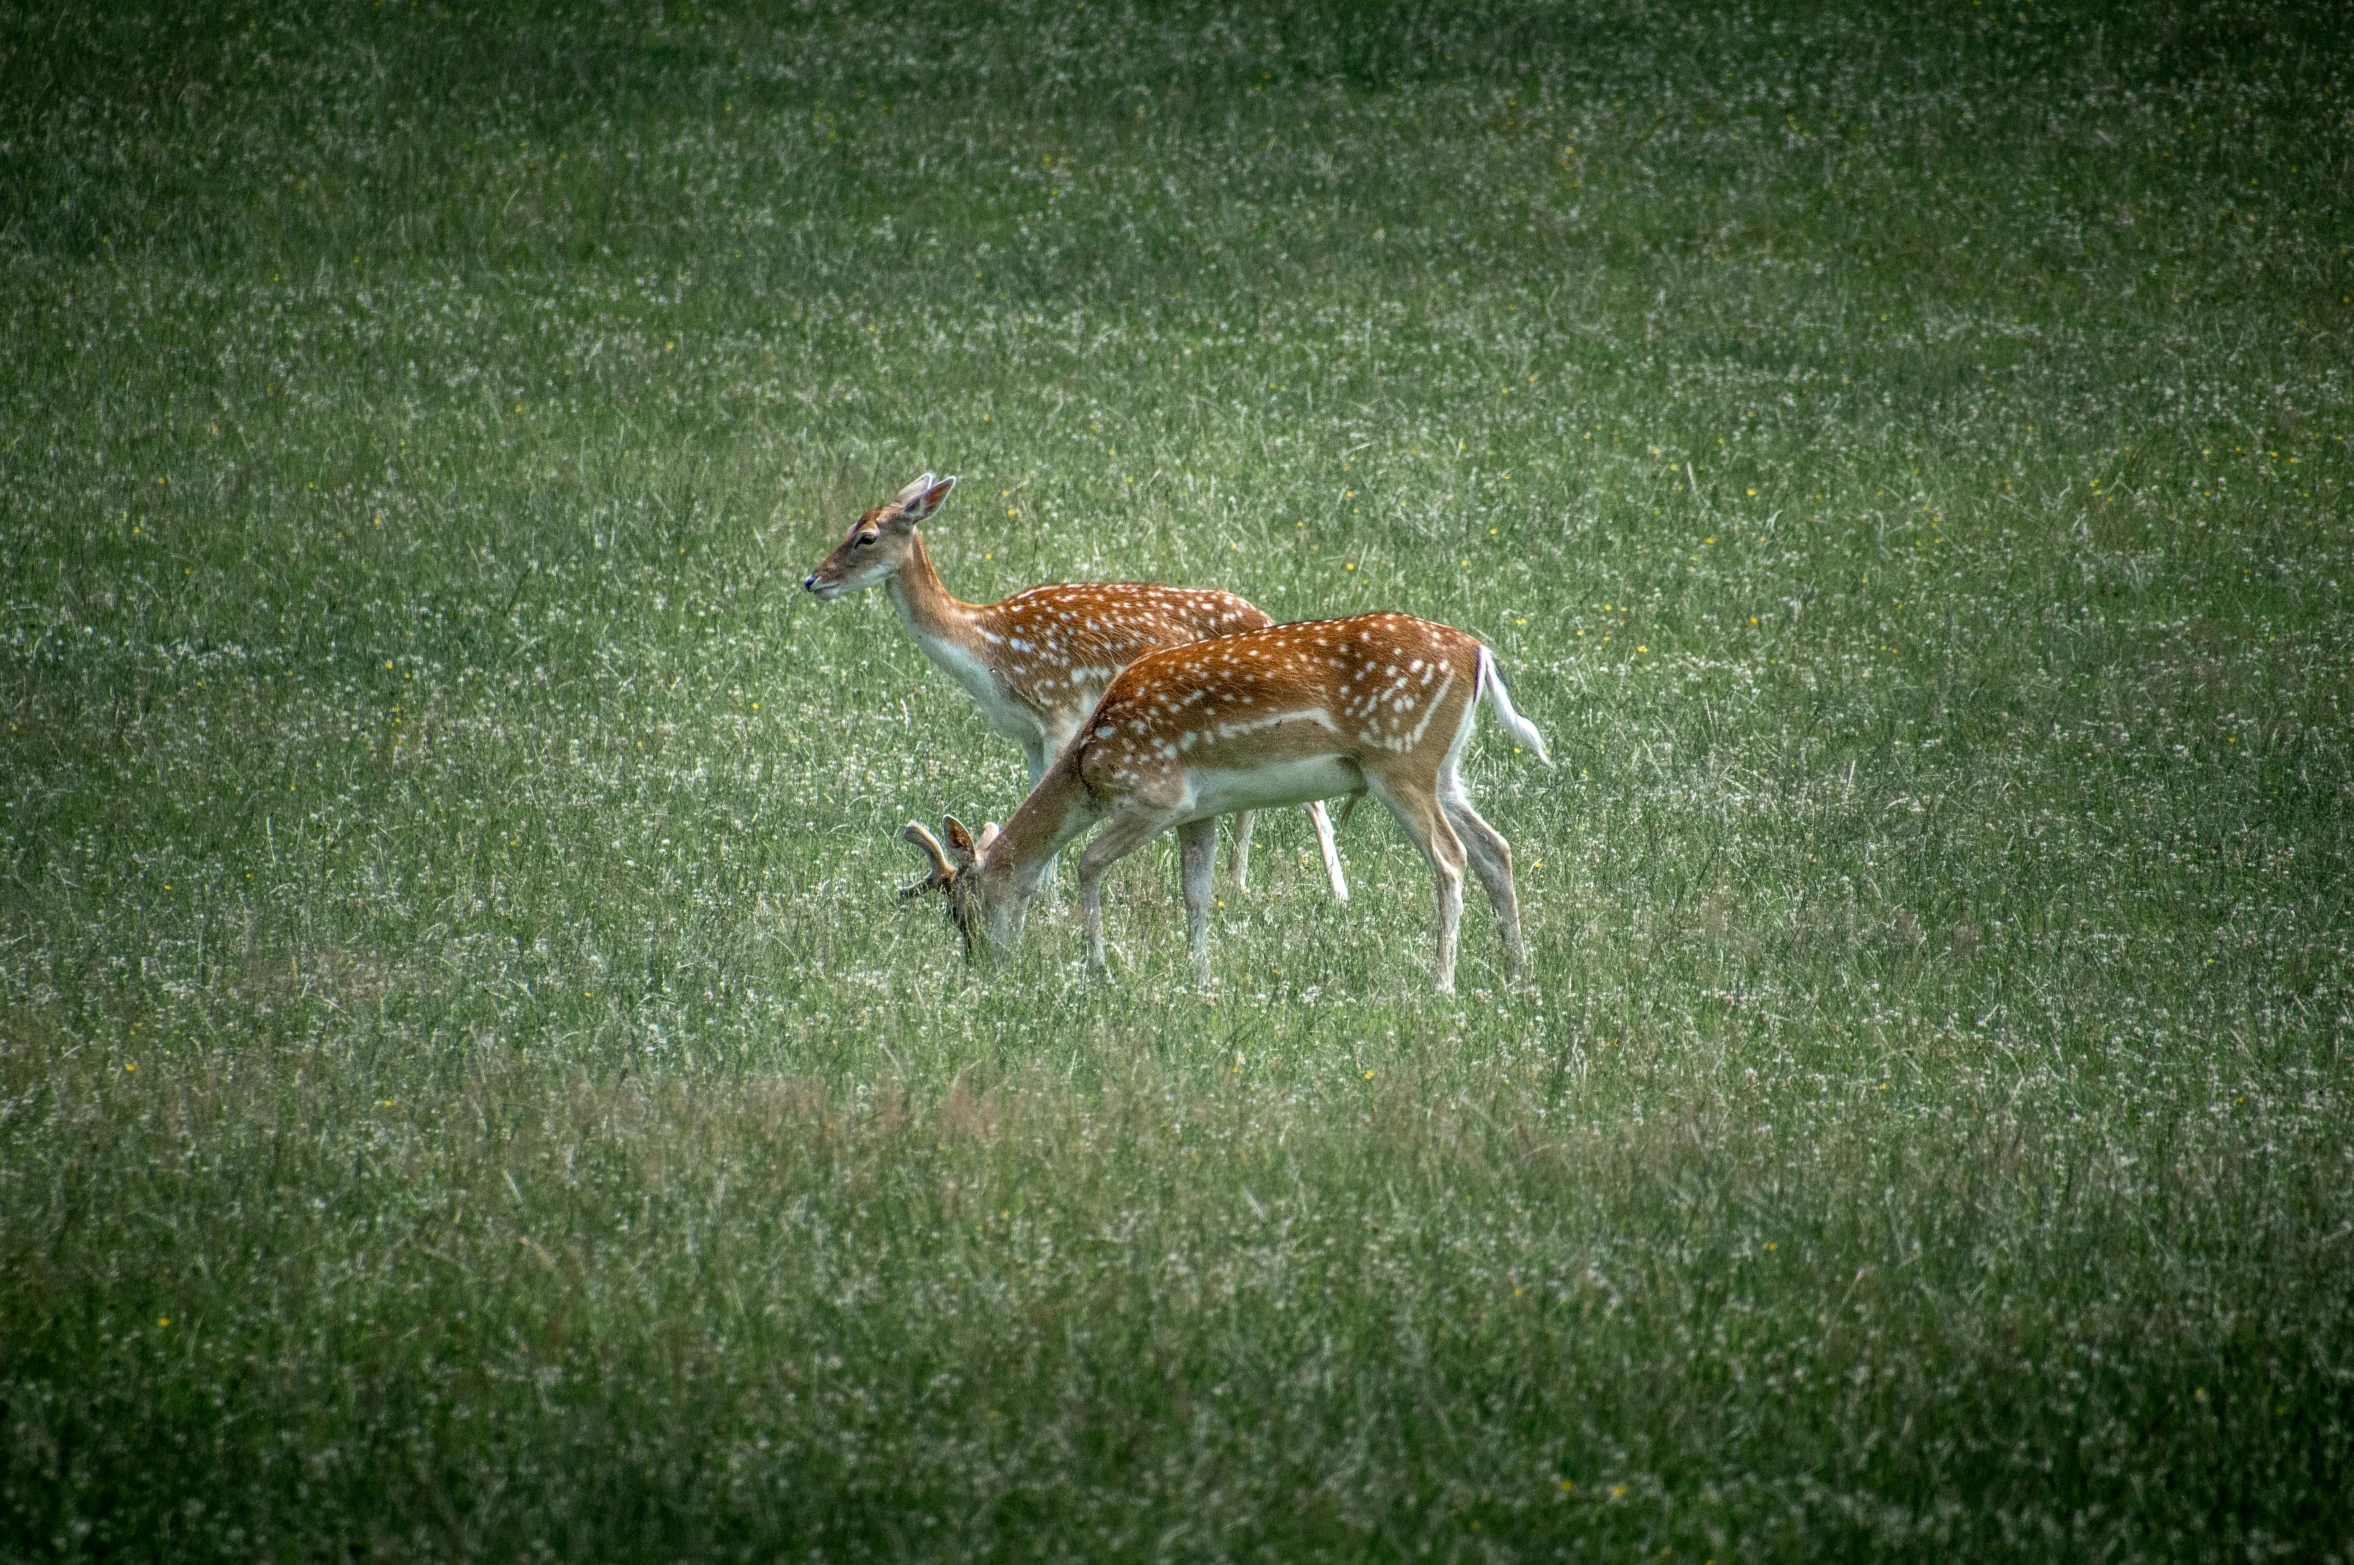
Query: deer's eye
point(864, 540)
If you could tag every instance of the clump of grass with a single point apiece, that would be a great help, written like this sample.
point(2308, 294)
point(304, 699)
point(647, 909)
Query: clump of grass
point(468, 1089)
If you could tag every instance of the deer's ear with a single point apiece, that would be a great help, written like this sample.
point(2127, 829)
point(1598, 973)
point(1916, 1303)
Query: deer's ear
point(920, 499)
point(960, 842)
point(988, 836)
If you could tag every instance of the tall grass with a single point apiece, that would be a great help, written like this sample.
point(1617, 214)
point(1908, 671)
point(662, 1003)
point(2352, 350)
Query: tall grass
point(467, 1089)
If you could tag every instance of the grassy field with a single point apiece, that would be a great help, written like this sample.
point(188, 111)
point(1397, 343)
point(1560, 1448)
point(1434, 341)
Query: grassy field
point(468, 1091)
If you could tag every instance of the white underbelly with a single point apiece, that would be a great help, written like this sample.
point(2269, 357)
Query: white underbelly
point(1017, 723)
point(1222, 791)
point(1007, 717)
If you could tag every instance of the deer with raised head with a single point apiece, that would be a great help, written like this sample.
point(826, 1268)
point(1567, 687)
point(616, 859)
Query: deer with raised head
point(1036, 663)
point(1379, 704)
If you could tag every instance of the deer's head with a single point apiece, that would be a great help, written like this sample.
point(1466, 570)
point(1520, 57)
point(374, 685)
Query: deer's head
point(879, 542)
point(986, 907)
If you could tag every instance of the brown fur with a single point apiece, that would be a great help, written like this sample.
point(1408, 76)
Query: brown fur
point(1037, 662)
point(1380, 703)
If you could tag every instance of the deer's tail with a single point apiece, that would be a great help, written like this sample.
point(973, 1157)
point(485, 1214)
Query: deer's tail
point(1491, 685)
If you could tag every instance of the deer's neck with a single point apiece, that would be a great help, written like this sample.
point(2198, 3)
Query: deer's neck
point(943, 625)
point(932, 612)
point(1057, 810)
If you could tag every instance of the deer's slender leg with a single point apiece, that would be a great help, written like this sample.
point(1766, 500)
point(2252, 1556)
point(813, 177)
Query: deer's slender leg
point(1330, 849)
point(1245, 822)
point(1491, 860)
point(1417, 809)
point(1197, 843)
point(1091, 918)
point(1132, 826)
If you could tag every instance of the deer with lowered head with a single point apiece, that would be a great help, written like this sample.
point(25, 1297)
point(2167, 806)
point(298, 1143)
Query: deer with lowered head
point(1380, 704)
point(1037, 662)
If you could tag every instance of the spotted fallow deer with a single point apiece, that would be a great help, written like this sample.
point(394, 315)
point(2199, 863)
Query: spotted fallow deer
point(1037, 662)
point(1379, 704)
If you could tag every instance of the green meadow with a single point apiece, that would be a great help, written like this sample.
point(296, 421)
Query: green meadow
point(468, 1089)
